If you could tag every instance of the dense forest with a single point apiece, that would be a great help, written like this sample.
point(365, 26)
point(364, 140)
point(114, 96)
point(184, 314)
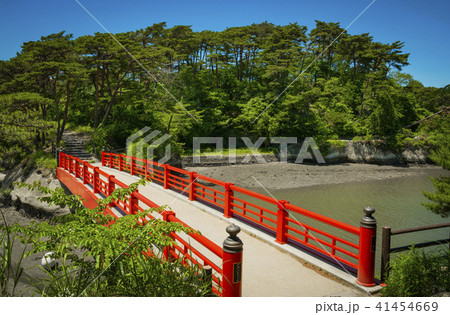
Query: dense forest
point(258, 80)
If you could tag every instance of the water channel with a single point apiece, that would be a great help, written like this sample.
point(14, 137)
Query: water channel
point(397, 202)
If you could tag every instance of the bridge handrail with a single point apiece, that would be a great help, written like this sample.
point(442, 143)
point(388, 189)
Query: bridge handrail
point(99, 185)
point(253, 194)
point(210, 196)
point(213, 247)
point(319, 217)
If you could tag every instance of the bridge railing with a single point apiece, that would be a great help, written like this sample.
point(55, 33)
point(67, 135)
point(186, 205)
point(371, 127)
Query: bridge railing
point(286, 222)
point(192, 248)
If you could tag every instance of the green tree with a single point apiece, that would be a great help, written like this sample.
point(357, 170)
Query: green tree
point(22, 126)
point(440, 199)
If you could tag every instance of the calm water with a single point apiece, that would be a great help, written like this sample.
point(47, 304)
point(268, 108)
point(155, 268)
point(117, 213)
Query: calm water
point(397, 203)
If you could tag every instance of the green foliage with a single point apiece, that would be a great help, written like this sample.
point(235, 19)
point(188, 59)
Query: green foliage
point(10, 271)
point(440, 199)
point(84, 130)
point(100, 255)
point(256, 80)
point(43, 160)
point(225, 152)
point(22, 126)
point(418, 273)
point(337, 143)
point(5, 191)
point(98, 141)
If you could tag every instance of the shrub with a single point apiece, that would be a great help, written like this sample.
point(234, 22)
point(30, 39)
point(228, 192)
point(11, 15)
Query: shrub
point(337, 143)
point(99, 255)
point(41, 159)
point(419, 273)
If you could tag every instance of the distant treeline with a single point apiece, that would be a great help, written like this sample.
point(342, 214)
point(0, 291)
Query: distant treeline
point(258, 80)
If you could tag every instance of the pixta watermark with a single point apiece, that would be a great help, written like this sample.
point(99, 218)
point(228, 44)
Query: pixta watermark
point(147, 141)
point(144, 139)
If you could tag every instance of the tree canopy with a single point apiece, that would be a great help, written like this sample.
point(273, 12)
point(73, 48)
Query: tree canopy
point(256, 80)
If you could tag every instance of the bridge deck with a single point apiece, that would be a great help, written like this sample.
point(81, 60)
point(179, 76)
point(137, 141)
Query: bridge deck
point(267, 270)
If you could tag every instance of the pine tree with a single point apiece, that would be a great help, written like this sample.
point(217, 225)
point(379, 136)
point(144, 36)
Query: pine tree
point(440, 200)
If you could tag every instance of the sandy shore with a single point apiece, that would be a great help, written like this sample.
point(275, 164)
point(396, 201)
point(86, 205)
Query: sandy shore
point(290, 175)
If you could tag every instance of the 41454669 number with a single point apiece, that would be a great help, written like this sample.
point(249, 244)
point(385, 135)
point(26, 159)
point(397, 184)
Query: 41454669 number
point(405, 306)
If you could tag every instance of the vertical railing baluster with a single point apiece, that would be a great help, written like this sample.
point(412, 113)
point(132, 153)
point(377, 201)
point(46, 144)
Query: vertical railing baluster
point(282, 214)
point(228, 198)
point(95, 181)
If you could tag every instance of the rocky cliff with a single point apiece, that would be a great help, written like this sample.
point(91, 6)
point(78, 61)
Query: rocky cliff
point(369, 152)
point(25, 200)
point(375, 152)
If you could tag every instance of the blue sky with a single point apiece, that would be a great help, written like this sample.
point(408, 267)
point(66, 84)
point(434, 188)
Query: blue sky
point(424, 26)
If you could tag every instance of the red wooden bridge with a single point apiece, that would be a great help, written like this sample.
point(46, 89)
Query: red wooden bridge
point(186, 192)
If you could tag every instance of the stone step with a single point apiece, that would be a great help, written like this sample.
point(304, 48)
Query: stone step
point(75, 145)
point(74, 148)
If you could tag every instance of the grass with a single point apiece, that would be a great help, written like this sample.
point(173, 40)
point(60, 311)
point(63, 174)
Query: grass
point(419, 273)
point(238, 151)
point(10, 274)
point(80, 129)
point(42, 159)
point(337, 143)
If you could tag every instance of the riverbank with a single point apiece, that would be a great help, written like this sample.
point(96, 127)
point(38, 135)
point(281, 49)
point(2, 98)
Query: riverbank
point(277, 175)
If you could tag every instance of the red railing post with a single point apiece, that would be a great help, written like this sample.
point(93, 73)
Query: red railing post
point(120, 162)
point(146, 168)
point(103, 158)
point(367, 246)
point(282, 214)
point(95, 181)
point(61, 159)
point(85, 172)
point(77, 161)
point(165, 214)
point(133, 203)
point(70, 164)
point(111, 187)
point(166, 176)
point(111, 160)
point(227, 206)
point(232, 263)
point(167, 249)
point(133, 165)
point(192, 180)
point(111, 184)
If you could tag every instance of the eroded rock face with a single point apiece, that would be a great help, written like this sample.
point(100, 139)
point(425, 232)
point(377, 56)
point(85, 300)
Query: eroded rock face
point(25, 199)
point(419, 156)
point(375, 153)
point(372, 153)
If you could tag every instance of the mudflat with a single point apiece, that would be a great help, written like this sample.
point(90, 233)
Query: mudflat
point(278, 175)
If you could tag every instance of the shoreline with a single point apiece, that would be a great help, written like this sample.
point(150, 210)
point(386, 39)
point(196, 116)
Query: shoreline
point(276, 175)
